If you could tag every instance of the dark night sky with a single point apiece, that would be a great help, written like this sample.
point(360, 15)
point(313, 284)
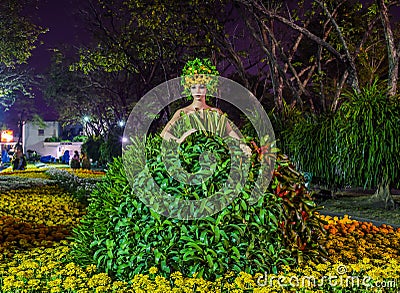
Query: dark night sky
point(60, 17)
point(65, 27)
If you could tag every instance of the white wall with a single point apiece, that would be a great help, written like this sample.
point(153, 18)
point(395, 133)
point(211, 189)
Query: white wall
point(33, 140)
point(57, 149)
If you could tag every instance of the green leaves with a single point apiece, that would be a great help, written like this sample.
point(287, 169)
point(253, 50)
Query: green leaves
point(367, 139)
point(18, 34)
point(124, 237)
point(138, 35)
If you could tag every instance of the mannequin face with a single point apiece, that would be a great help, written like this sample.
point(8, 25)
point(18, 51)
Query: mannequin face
point(198, 90)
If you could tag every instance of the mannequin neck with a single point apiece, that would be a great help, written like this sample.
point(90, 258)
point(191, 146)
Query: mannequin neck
point(199, 102)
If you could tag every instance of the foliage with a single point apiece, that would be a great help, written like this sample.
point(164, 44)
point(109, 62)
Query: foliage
point(306, 53)
point(35, 258)
point(92, 148)
point(199, 71)
point(19, 34)
point(16, 82)
point(80, 138)
point(112, 146)
point(316, 49)
point(355, 146)
point(79, 186)
point(138, 46)
point(141, 34)
point(104, 98)
point(300, 226)
point(283, 123)
point(123, 236)
point(18, 38)
point(368, 139)
point(311, 143)
point(52, 139)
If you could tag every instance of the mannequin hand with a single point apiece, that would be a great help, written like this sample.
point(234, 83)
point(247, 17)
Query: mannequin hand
point(186, 134)
point(246, 149)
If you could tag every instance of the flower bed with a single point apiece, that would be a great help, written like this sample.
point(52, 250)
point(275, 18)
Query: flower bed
point(48, 205)
point(35, 224)
point(29, 173)
point(80, 186)
point(349, 241)
point(16, 182)
point(51, 270)
point(83, 173)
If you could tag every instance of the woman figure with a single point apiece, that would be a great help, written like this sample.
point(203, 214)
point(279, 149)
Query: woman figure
point(198, 82)
point(198, 92)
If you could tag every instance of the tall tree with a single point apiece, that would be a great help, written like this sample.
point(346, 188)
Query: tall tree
point(98, 100)
point(15, 82)
point(18, 33)
point(311, 43)
point(19, 36)
point(151, 39)
point(340, 37)
point(393, 49)
point(149, 42)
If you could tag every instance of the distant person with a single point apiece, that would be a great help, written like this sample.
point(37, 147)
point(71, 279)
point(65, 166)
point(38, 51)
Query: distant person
point(19, 159)
point(75, 162)
point(65, 157)
point(4, 157)
point(85, 162)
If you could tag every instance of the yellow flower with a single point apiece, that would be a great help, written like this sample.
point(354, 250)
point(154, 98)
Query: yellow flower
point(366, 260)
point(55, 290)
point(34, 283)
point(91, 268)
point(101, 279)
point(54, 283)
point(153, 270)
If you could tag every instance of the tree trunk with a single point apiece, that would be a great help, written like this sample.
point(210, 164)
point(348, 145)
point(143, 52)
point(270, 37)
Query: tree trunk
point(393, 54)
point(383, 192)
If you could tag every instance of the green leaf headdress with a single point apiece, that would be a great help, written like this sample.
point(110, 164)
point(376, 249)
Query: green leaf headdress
point(199, 71)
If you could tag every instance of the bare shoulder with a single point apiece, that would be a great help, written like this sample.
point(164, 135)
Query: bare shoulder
point(179, 112)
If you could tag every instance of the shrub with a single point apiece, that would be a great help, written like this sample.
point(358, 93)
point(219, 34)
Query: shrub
point(78, 186)
point(52, 139)
point(123, 236)
point(91, 147)
point(80, 138)
point(368, 140)
point(8, 182)
point(311, 144)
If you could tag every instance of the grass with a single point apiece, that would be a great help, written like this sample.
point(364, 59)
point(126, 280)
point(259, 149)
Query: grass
point(360, 205)
point(38, 166)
